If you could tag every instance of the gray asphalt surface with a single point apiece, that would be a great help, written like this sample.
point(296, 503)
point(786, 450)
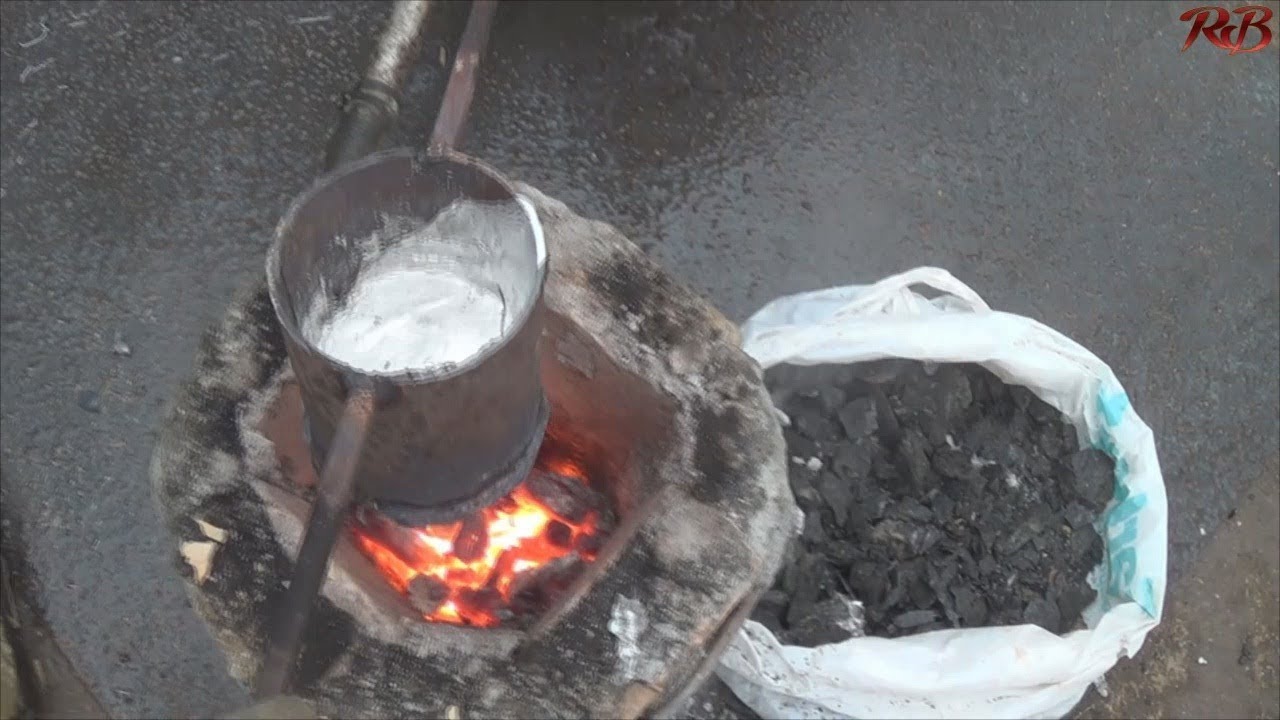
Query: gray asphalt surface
point(1065, 160)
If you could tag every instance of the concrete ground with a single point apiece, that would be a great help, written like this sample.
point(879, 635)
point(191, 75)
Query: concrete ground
point(1064, 159)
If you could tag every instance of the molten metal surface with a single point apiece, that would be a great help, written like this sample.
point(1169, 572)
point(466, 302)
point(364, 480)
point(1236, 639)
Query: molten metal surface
point(523, 534)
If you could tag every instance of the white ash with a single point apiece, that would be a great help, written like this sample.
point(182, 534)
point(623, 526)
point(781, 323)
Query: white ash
point(627, 621)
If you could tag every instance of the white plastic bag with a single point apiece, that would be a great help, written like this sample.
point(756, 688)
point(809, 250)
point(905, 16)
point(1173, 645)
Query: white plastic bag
point(1019, 671)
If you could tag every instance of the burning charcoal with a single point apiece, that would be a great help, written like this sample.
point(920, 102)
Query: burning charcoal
point(606, 519)
point(533, 589)
point(824, 623)
point(954, 463)
point(837, 494)
point(568, 498)
point(559, 534)
point(472, 539)
point(427, 593)
point(588, 544)
point(859, 418)
point(914, 618)
point(1093, 473)
point(484, 602)
point(1043, 613)
point(970, 606)
point(853, 461)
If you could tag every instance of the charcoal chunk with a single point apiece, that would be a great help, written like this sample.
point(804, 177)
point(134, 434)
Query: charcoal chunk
point(913, 462)
point(868, 582)
point(859, 418)
point(798, 445)
point(1093, 473)
point(943, 506)
point(913, 511)
point(813, 534)
point(830, 398)
point(886, 422)
point(472, 538)
point(954, 463)
point(947, 499)
point(1072, 601)
point(771, 609)
point(1078, 516)
point(852, 461)
point(1044, 613)
point(914, 618)
point(823, 623)
point(952, 394)
point(569, 498)
point(970, 606)
point(559, 534)
point(837, 494)
point(813, 424)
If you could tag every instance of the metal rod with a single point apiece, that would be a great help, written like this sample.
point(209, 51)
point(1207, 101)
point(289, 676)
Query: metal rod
point(371, 111)
point(374, 106)
point(333, 499)
point(456, 102)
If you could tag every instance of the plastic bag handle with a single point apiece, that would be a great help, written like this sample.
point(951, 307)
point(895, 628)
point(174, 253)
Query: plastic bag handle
point(896, 289)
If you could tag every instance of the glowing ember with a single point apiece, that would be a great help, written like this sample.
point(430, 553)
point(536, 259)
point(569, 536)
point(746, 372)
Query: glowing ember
point(469, 572)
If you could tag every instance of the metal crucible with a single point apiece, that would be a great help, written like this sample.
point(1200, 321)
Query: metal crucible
point(417, 277)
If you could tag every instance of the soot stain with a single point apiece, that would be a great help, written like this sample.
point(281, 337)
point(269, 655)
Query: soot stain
point(246, 586)
point(216, 405)
point(717, 454)
point(268, 336)
point(641, 288)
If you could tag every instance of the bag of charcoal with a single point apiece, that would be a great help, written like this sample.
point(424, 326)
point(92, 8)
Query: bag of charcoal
point(985, 530)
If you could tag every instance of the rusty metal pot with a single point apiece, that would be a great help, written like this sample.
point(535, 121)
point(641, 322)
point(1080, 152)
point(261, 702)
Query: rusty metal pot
point(442, 441)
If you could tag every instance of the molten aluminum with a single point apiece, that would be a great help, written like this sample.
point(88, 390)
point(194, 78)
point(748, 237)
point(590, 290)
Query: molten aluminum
point(480, 582)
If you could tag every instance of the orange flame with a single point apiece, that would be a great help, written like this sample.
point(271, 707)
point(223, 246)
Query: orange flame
point(518, 541)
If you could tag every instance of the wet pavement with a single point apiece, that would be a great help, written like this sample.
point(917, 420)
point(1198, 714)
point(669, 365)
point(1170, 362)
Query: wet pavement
point(1065, 160)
